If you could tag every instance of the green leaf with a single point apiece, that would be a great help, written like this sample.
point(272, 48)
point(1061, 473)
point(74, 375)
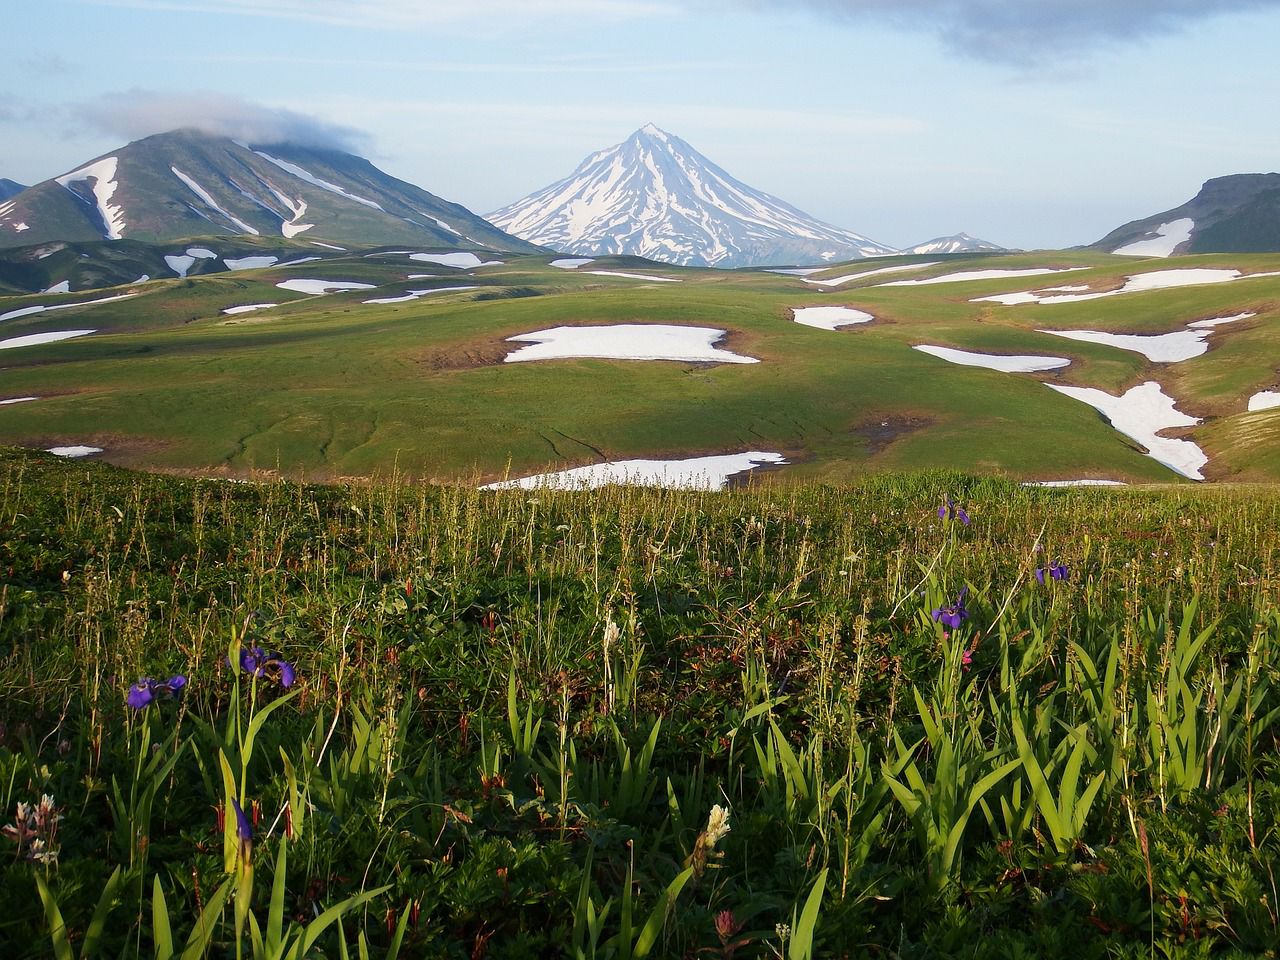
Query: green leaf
point(801, 946)
point(658, 917)
point(161, 933)
point(57, 929)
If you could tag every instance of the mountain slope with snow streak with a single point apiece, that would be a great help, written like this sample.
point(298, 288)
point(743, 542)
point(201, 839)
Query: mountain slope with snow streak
point(1234, 214)
point(182, 184)
point(655, 196)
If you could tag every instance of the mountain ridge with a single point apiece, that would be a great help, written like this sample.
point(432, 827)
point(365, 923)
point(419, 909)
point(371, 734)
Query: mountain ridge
point(1238, 213)
point(655, 196)
point(185, 183)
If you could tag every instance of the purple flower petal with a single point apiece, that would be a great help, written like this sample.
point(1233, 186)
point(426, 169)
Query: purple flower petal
point(1040, 575)
point(140, 694)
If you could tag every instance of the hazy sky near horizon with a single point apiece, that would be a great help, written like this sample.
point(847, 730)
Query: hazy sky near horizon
point(1040, 123)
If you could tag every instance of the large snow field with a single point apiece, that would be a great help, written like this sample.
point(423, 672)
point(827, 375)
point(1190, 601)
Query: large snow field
point(697, 473)
point(1005, 364)
point(1167, 239)
point(34, 339)
point(1141, 414)
point(321, 287)
point(460, 260)
point(830, 318)
point(626, 341)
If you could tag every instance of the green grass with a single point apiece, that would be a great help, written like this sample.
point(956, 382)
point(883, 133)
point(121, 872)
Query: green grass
point(515, 714)
point(329, 387)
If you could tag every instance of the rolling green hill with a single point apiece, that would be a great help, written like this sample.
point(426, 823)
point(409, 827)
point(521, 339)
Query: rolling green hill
point(331, 386)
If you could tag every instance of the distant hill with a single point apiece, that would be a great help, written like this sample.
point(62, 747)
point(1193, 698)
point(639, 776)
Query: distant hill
point(1236, 214)
point(958, 243)
point(9, 188)
point(186, 183)
point(655, 196)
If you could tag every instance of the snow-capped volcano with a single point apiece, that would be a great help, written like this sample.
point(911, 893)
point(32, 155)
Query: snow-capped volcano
point(656, 196)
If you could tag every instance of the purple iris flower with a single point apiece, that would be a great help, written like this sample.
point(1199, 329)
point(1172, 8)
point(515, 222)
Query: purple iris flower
point(244, 831)
point(1057, 571)
point(265, 663)
point(146, 690)
point(949, 511)
point(953, 615)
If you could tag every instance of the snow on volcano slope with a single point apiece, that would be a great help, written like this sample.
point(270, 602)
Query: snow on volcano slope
point(315, 181)
point(204, 195)
point(655, 196)
point(103, 174)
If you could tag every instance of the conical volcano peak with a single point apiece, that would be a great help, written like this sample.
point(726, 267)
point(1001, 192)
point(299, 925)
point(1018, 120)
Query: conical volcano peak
point(654, 195)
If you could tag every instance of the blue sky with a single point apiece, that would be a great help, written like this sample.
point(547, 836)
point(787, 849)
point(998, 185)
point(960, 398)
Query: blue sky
point(1034, 124)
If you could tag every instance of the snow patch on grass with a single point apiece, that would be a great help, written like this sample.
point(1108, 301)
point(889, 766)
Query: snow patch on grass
point(458, 260)
point(968, 276)
point(1005, 364)
point(1266, 400)
point(250, 263)
point(321, 287)
point(74, 452)
point(571, 263)
point(697, 473)
point(248, 308)
point(34, 339)
point(627, 341)
point(633, 276)
point(830, 318)
point(1142, 414)
point(1138, 283)
point(415, 294)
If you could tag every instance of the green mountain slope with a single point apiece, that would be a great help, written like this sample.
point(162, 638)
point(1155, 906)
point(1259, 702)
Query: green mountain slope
point(186, 183)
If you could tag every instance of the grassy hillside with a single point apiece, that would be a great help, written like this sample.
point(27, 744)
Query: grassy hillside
point(637, 723)
point(330, 386)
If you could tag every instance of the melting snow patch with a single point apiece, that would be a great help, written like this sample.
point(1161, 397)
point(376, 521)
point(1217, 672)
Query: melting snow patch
point(19, 227)
point(626, 341)
point(328, 246)
point(969, 275)
point(294, 263)
point(698, 473)
point(248, 308)
point(459, 260)
point(250, 263)
point(1140, 283)
point(32, 339)
point(1168, 237)
point(1266, 400)
point(572, 263)
point(22, 312)
point(62, 286)
point(1004, 364)
point(179, 264)
point(5, 403)
point(830, 318)
point(103, 174)
point(1141, 414)
point(77, 451)
point(903, 268)
point(633, 276)
point(28, 311)
point(1160, 348)
point(415, 294)
point(320, 287)
point(201, 253)
point(797, 271)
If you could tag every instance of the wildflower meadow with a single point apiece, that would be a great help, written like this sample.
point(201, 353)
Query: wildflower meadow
point(916, 716)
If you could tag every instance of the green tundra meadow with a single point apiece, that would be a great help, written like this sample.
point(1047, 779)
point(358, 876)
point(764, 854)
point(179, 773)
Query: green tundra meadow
point(915, 714)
